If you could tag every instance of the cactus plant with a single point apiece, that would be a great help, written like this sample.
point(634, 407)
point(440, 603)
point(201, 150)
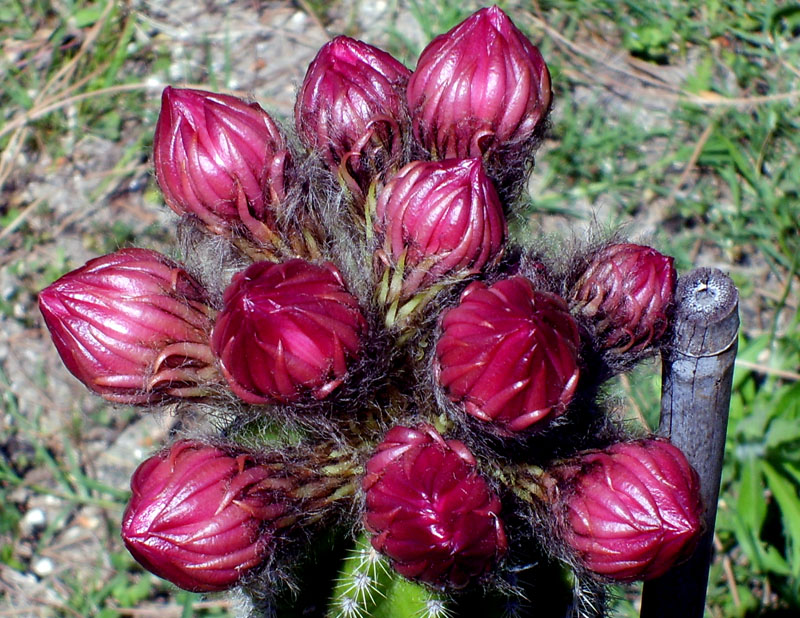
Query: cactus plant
point(407, 389)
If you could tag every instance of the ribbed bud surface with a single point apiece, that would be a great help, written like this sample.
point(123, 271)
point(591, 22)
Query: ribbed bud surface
point(479, 87)
point(442, 218)
point(431, 511)
point(221, 159)
point(287, 330)
point(133, 326)
point(509, 354)
point(625, 294)
point(351, 107)
point(201, 517)
point(630, 512)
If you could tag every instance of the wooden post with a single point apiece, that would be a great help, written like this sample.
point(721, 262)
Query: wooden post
point(695, 397)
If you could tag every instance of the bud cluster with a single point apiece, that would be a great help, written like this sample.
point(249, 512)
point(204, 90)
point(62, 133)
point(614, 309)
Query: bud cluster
point(382, 344)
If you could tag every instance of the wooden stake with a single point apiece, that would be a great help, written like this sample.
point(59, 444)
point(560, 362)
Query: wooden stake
point(695, 397)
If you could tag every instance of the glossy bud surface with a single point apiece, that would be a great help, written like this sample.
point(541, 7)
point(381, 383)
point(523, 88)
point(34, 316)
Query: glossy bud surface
point(509, 354)
point(199, 516)
point(477, 88)
point(442, 219)
point(221, 159)
point(430, 510)
point(133, 326)
point(625, 293)
point(351, 108)
point(631, 511)
point(287, 330)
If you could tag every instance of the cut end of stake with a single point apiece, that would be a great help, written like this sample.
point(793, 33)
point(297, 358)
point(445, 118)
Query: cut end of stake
point(705, 294)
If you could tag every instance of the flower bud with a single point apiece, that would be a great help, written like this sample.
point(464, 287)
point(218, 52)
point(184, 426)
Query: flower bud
point(441, 219)
point(625, 293)
point(477, 88)
point(132, 326)
point(220, 159)
point(351, 109)
point(201, 517)
point(509, 354)
point(629, 512)
point(431, 511)
point(285, 330)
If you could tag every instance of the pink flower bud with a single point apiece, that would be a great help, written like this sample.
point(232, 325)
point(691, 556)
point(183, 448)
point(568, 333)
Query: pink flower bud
point(351, 108)
point(629, 512)
point(286, 330)
point(509, 354)
point(431, 511)
point(220, 159)
point(479, 87)
point(132, 326)
point(201, 517)
point(442, 219)
point(625, 294)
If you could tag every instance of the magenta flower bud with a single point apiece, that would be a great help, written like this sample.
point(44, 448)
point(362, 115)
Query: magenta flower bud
point(441, 219)
point(625, 293)
point(351, 109)
point(201, 517)
point(220, 159)
point(629, 512)
point(480, 87)
point(431, 511)
point(286, 330)
point(509, 354)
point(133, 326)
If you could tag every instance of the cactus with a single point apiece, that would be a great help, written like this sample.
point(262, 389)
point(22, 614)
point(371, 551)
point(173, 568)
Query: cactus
point(394, 383)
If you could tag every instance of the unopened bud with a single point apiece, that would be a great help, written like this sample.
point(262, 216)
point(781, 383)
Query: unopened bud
point(430, 510)
point(286, 330)
point(480, 87)
point(202, 517)
point(509, 354)
point(629, 512)
point(625, 294)
point(351, 109)
point(440, 219)
point(133, 326)
point(222, 160)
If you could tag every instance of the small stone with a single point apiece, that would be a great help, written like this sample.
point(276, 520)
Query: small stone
point(33, 520)
point(43, 567)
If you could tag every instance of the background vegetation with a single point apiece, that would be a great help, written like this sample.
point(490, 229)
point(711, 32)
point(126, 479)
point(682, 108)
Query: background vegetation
point(678, 120)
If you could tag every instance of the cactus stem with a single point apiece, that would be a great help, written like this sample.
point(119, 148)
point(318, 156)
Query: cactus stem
point(436, 608)
point(359, 588)
point(348, 607)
